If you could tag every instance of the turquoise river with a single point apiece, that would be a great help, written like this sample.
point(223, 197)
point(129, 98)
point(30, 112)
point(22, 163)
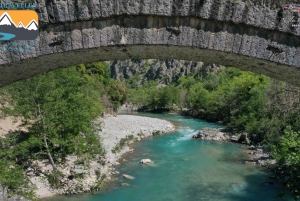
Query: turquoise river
point(185, 169)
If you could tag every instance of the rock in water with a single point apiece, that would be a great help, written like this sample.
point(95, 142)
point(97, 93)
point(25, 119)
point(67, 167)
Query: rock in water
point(145, 161)
point(234, 138)
point(125, 184)
point(250, 163)
point(126, 176)
point(211, 134)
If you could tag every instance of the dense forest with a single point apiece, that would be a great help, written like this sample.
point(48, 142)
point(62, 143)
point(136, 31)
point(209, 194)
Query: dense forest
point(58, 108)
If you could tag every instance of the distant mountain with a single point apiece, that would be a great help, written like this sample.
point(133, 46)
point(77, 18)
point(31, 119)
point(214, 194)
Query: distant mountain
point(21, 25)
point(32, 25)
point(6, 20)
point(166, 71)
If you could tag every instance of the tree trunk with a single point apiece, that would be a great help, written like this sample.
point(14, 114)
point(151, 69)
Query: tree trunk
point(49, 154)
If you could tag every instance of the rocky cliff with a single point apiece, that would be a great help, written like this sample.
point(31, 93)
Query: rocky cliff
point(167, 71)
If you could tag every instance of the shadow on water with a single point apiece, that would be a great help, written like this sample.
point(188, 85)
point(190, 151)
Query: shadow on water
point(258, 182)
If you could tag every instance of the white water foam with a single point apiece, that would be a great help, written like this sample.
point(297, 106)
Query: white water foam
point(187, 133)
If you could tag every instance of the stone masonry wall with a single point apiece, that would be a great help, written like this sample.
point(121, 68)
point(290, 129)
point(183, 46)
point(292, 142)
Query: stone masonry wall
point(255, 35)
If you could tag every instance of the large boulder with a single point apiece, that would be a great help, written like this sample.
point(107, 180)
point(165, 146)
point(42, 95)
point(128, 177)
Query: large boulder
point(271, 163)
point(250, 162)
point(4, 195)
point(211, 134)
point(244, 138)
point(79, 171)
point(3, 192)
point(234, 138)
point(145, 161)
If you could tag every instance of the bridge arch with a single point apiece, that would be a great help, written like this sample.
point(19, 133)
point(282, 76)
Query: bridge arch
point(251, 35)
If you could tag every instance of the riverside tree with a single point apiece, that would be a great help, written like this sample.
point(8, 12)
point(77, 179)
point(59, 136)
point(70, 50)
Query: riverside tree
point(287, 153)
point(57, 108)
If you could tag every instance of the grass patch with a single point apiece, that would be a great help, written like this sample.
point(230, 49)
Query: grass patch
point(140, 134)
point(155, 133)
point(122, 143)
point(98, 173)
point(79, 176)
point(97, 186)
point(101, 162)
point(54, 179)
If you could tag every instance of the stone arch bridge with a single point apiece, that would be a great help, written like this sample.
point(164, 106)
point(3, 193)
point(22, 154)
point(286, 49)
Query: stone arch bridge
point(255, 35)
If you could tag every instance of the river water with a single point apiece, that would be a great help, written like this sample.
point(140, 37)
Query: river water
point(6, 36)
point(185, 169)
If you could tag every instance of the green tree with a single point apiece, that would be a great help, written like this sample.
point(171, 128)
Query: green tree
point(186, 82)
point(12, 176)
point(57, 108)
point(117, 92)
point(287, 153)
point(168, 96)
point(98, 70)
point(198, 97)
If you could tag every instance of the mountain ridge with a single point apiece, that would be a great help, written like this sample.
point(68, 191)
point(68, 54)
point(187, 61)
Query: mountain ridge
point(167, 71)
point(6, 16)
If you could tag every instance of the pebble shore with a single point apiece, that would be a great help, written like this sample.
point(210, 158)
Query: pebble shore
point(113, 129)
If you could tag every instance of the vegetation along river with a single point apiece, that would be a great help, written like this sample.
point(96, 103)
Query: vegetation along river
point(185, 169)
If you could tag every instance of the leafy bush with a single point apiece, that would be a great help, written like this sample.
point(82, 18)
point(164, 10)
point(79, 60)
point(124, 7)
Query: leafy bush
point(98, 173)
point(155, 133)
point(79, 176)
point(55, 179)
point(287, 153)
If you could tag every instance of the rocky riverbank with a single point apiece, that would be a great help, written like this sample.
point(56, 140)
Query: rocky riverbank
point(128, 128)
point(4, 195)
point(217, 134)
point(78, 175)
point(257, 154)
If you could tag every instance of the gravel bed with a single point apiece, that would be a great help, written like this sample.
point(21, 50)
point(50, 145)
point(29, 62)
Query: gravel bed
point(113, 129)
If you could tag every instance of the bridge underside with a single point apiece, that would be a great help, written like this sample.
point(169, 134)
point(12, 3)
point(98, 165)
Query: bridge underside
point(28, 68)
point(270, 52)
